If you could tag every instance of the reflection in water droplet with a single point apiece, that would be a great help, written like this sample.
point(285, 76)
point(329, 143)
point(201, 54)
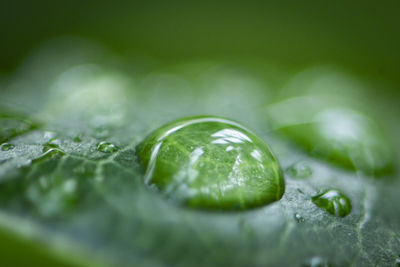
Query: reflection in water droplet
point(107, 147)
point(300, 170)
point(211, 162)
point(298, 218)
point(333, 202)
point(316, 262)
point(6, 147)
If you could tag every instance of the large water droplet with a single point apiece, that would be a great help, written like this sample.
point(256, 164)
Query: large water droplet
point(334, 202)
point(6, 147)
point(107, 147)
point(341, 135)
point(211, 162)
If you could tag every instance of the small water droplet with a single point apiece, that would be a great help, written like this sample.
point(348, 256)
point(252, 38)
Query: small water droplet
point(107, 147)
point(300, 170)
point(48, 146)
point(397, 262)
point(187, 161)
point(334, 202)
point(317, 262)
point(7, 146)
point(298, 218)
point(50, 150)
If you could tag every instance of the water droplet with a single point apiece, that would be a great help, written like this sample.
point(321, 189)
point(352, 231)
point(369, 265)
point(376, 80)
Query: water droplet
point(50, 150)
point(333, 202)
point(50, 146)
point(187, 161)
point(340, 135)
point(107, 147)
point(300, 170)
point(397, 262)
point(298, 218)
point(7, 146)
point(317, 262)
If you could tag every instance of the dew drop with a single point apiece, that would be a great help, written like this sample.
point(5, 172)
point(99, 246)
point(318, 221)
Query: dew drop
point(50, 146)
point(298, 218)
point(340, 135)
point(107, 147)
point(334, 202)
point(187, 161)
point(6, 147)
point(50, 150)
point(300, 170)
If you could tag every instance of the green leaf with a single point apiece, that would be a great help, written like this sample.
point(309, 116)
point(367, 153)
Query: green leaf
point(72, 189)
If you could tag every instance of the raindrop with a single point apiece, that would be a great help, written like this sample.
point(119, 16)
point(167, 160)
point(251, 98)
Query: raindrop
point(338, 134)
point(334, 202)
point(6, 147)
point(107, 147)
point(187, 161)
point(50, 146)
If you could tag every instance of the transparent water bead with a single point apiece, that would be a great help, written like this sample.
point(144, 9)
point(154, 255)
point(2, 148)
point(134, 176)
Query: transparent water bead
point(211, 162)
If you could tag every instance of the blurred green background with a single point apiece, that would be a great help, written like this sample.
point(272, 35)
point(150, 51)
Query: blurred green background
point(359, 35)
